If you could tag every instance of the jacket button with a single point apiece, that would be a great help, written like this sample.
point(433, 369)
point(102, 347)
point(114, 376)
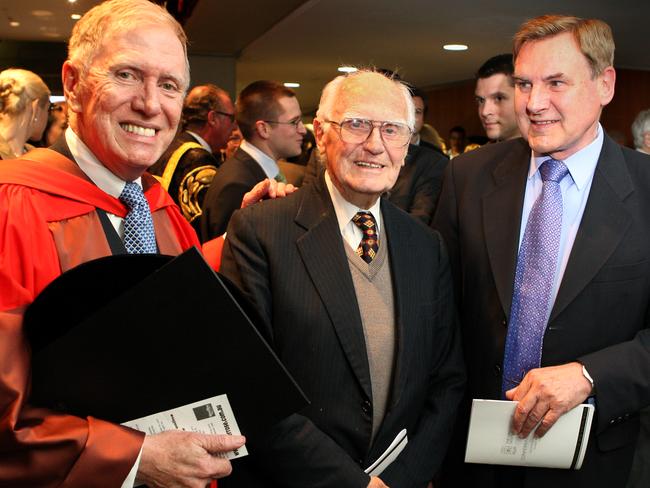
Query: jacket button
point(504, 323)
point(366, 407)
point(497, 370)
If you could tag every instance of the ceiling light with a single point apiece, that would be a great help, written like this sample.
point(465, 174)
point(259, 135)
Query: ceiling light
point(75, 16)
point(292, 85)
point(14, 23)
point(72, 1)
point(347, 69)
point(455, 47)
point(42, 13)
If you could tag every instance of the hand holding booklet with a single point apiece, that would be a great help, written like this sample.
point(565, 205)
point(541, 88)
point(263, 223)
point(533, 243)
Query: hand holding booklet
point(490, 440)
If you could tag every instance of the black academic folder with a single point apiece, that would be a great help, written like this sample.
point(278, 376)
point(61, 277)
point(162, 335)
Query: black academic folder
point(126, 336)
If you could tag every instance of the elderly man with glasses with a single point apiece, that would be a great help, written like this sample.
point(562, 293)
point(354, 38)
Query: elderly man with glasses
point(270, 120)
point(355, 297)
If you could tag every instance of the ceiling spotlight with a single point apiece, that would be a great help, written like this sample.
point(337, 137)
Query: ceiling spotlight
point(75, 16)
point(72, 1)
point(455, 47)
point(14, 23)
point(292, 85)
point(347, 69)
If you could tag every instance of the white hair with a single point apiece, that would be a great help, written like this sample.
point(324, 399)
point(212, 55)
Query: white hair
point(640, 125)
point(332, 89)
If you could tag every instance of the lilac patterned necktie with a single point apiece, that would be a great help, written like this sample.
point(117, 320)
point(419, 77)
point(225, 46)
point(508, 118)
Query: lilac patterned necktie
point(369, 244)
point(139, 235)
point(536, 265)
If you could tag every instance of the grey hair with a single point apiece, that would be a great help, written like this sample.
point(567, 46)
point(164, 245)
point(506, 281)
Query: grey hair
point(332, 90)
point(114, 16)
point(640, 125)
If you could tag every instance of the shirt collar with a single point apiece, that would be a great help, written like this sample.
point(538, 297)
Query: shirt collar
point(345, 210)
point(581, 165)
point(99, 174)
point(267, 163)
point(200, 140)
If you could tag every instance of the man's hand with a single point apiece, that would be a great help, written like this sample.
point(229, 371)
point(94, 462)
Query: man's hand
point(177, 459)
point(267, 189)
point(545, 394)
point(377, 483)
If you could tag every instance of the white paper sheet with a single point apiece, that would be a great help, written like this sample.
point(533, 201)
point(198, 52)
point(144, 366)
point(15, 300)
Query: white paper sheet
point(490, 441)
point(209, 416)
point(389, 455)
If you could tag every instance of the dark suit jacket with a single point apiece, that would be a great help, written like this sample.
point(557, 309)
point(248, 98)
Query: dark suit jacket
point(601, 315)
point(418, 185)
point(294, 173)
point(235, 177)
point(427, 144)
point(288, 257)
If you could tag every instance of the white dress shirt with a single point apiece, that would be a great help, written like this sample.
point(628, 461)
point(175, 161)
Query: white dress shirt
point(200, 140)
point(345, 211)
point(575, 187)
point(99, 174)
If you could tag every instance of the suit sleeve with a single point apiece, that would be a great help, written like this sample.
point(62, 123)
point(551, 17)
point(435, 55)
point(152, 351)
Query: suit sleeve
point(427, 445)
point(423, 204)
point(39, 447)
point(445, 221)
point(296, 453)
point(621, 374)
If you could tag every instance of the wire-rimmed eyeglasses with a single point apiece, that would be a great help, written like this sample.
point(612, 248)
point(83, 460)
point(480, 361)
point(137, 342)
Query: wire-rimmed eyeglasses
point(296, 122)
point(357, 131)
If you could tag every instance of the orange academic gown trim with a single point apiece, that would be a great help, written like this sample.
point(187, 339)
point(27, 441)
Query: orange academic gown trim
point(48, 224)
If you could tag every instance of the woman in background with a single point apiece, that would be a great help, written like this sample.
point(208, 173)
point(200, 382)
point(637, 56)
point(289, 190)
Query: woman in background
point(24, 103)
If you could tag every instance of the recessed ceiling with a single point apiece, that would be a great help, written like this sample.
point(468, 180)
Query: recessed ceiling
point(305, 41)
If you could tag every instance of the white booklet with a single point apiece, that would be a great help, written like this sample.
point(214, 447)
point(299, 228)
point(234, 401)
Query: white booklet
point(210, 416)
point(490, 440)
point(389, 455)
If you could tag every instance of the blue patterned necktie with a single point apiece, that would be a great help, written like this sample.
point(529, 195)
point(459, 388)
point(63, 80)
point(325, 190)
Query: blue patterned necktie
point(369, 244)
point(536, 265)
point(139, 236)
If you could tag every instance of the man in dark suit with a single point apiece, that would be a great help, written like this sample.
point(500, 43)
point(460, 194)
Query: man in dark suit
point(187, 168)
point(270, 120)
point(355, 298)
point(593, 344)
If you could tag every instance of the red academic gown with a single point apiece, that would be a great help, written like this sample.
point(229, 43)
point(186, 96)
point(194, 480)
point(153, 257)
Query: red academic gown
point(49, 224)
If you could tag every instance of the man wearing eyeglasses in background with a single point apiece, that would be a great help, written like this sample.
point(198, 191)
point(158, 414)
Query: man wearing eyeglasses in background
point(187, 168)
point(355, 298)
point(269, 117)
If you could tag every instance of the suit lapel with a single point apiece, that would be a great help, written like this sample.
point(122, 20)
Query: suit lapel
point(402, 262)
point(247, 161)
point(502, 206)
point(321, 249)
point(603, 224)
